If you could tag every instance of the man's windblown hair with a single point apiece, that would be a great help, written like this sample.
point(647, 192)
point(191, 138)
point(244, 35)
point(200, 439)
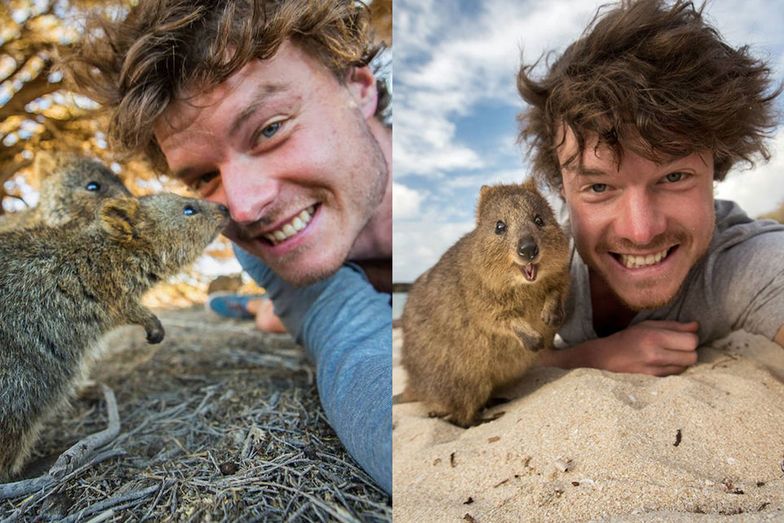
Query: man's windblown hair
point(166, 50)
point(653, 78)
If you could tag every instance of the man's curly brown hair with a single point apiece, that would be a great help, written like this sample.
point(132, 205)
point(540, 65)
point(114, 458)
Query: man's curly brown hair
point(654, 79)
point(137, 66)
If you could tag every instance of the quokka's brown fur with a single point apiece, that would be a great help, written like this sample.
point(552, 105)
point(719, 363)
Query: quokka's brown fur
point(473, 322)
point(72, 189)
point(62, 287)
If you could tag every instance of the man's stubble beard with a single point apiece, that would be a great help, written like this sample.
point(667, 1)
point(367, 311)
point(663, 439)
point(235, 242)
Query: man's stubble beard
point(669, 238)
point(369, 199)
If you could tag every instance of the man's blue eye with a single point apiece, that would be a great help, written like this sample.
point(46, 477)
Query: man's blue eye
point(189, 210)
point(599, 187)
point(270, 130)
point(674, 177)
point(93, 186)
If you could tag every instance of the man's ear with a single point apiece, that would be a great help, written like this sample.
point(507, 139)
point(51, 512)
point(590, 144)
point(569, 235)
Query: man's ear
point(362, 85)
point(118, 218)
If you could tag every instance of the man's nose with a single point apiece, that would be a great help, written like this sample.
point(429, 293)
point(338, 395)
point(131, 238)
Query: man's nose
point(640, 218)
point(246, 191)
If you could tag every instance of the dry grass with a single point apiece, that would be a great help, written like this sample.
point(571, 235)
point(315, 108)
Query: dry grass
point(219, 423)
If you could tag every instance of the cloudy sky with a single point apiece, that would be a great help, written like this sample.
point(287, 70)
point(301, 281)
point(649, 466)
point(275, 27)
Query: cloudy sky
point(456, 102)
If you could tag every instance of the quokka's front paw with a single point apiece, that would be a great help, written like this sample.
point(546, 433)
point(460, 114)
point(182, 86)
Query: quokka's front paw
point(530, 340)
point(553, 313)
point(155, 331)
point(155, 336)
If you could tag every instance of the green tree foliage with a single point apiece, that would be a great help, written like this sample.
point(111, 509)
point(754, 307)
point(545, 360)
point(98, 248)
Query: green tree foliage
point(37, 111)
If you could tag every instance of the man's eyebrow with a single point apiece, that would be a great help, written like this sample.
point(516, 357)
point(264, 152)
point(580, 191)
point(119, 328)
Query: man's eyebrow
point(587, 171)
point(262, 94)
point(580, 170)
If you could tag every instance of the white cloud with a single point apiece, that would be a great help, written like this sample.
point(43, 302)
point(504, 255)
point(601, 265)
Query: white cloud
point(424, 145)
point(450, 63)
point(405, 201)
point(761, 189)
point(486, 178)
point(419, 245)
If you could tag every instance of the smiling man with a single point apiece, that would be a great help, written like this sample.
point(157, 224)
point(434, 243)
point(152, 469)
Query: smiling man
point(324, 195)
point(273, 109)
point(632, 125)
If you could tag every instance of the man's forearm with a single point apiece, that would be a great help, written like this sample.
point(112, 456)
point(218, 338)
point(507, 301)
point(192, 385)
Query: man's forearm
point(346, 328)
point(353, 353)
point(659, 348)
point(571, 358)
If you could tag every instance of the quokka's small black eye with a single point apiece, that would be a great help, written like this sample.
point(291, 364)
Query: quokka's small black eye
point(500, 227)
point(93, 186)
point(538, 221)
point(190, 210)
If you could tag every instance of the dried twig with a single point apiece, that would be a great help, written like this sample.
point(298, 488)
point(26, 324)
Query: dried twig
point(25, 487)
point(72, 458)
point(116, 500)
point(190, 403)
point(82, 450)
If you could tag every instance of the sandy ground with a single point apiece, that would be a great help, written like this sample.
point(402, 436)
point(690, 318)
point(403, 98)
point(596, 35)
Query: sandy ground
point(585, 445)
point(219, 423)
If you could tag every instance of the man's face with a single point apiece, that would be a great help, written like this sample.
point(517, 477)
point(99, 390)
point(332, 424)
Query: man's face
point(640, 226)
point(289, 150)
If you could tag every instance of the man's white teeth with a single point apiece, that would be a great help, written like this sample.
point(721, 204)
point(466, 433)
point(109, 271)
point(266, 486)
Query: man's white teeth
point(293, 227)
point(635, 262)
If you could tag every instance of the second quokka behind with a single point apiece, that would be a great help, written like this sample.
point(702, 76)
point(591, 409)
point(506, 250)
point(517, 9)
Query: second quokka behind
point(473, 322)
point(72, 189)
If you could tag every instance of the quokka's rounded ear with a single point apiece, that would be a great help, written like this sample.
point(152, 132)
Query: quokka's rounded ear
point(118, 217)
point(483, 192)
point(530, 183)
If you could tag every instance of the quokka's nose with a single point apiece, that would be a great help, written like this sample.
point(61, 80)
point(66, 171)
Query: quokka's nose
point(527, 249)
point(222, 208)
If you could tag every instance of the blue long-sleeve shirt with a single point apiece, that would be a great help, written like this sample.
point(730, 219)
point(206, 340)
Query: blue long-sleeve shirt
point(345, 326)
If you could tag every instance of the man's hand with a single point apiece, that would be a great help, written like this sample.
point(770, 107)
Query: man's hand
point(658, 348)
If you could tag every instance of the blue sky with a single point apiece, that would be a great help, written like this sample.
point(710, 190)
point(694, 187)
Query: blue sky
point(456, 102)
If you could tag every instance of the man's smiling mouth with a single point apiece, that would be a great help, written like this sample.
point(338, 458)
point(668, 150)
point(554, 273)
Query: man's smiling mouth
point(298, 223)
point(631, 261)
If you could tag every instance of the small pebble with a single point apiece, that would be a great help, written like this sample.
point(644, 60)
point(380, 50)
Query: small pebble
point(228, 468)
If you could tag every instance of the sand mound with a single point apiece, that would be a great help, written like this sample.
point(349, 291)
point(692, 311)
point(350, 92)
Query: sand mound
point(588, 444)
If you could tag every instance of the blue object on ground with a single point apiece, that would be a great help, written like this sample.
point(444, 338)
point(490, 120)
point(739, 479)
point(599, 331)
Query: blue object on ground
point(233, 306)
